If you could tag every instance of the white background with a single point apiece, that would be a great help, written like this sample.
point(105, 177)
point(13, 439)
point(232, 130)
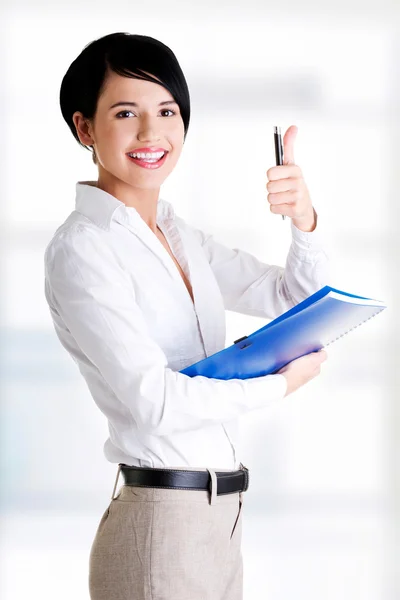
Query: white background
point(321, 515)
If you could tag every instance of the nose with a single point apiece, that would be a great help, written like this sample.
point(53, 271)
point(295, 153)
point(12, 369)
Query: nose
point(148, 131)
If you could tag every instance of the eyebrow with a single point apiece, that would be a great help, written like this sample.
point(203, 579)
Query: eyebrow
point(136, 105)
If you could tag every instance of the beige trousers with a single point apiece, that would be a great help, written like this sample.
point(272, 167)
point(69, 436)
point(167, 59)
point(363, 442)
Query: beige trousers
point(168, 544)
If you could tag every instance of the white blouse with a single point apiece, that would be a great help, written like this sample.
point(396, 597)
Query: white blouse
point(121, 309)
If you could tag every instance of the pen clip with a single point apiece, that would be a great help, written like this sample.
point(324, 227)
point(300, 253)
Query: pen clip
point(240, 339)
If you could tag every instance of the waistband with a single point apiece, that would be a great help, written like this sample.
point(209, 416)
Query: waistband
point(217, 482)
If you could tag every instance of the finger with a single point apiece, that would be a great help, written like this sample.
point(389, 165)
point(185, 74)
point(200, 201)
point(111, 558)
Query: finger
point(281, 209)
point(283, 172)
point(282, 185)
point(282, 197)
point(288, 145)
point(316, 372)
point(315, 357)
point(320, 356)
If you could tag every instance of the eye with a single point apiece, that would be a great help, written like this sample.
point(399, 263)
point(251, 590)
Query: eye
point(124, 112)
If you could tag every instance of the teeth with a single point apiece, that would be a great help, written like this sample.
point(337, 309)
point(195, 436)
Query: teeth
point(147, 155)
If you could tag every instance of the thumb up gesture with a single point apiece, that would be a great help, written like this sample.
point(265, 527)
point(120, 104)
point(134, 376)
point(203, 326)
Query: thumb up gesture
point(288, 193)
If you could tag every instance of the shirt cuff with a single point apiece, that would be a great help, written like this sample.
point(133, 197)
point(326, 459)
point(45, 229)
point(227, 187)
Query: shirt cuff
point(267, 394)
point(307, 242)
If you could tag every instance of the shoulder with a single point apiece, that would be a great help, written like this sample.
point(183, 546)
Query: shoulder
point(75, 238)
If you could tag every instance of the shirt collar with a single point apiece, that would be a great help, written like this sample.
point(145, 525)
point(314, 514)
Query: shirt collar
point(101, 207)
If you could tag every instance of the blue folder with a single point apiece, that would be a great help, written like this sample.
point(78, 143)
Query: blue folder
point(312, 324)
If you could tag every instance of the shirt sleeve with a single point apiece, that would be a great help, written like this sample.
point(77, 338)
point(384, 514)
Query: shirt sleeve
point(94, 298)
point(252, 287)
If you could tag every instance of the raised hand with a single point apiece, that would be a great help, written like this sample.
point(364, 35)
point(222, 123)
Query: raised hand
point(288, 193)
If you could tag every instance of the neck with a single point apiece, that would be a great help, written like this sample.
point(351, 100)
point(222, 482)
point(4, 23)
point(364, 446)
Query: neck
point(144, 201)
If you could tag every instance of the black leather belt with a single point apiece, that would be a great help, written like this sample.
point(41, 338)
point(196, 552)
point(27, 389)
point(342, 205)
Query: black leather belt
point(228, 482)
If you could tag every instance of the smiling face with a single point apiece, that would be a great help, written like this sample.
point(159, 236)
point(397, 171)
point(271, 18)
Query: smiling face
point(153, 122)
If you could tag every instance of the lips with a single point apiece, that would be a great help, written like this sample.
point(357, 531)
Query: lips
point(147, 165)
point(151, 149)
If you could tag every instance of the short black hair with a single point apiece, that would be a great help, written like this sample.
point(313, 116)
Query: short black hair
point(128, 55)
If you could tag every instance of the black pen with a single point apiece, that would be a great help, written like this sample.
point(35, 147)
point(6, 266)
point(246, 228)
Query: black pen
point(278, 149)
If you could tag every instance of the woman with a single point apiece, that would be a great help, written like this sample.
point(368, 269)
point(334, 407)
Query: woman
point(136, 294)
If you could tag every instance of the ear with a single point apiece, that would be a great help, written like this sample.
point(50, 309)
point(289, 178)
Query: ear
point(83, 128)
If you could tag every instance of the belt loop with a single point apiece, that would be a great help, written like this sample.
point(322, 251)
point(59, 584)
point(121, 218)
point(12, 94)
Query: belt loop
point(213, 486)
point(116, 481)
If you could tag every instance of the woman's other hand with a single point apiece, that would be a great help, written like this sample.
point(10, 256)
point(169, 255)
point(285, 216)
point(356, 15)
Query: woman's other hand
point(303, 369)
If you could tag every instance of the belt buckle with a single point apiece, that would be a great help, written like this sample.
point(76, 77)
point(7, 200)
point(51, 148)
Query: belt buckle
point(246, 476)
